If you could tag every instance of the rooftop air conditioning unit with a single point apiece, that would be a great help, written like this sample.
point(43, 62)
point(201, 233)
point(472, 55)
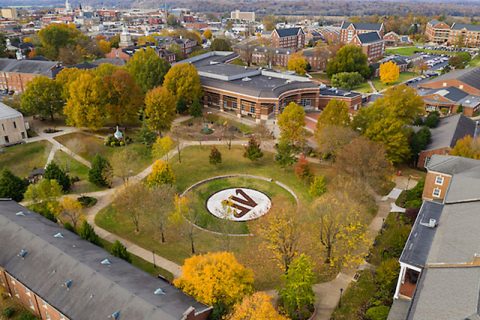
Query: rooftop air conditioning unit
point(246, 79)
point(432, 223)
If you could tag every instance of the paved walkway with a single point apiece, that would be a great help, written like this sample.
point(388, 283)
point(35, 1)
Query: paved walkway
point(370, 83)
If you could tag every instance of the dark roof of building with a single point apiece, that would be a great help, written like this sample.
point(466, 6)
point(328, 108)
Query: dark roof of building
point(334, 92)
point(85, 66)
point(97, 289)
point(288, 32)
point(418, 244)
point(115, 61)
point(470, 76)
point(469, 27)
point(451, 164)
point(45, 68)
point(363, 26)
point(449, 130)
point(369, 37)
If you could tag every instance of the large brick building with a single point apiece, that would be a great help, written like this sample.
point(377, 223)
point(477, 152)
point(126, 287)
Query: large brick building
point(467, 80)
point(349, 30)
point(440, 32)
point(289, 38)
point(372, 45)
point(15, 74)
point(59, 276)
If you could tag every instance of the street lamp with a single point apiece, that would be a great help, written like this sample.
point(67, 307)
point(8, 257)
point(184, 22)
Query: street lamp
point(340, 300)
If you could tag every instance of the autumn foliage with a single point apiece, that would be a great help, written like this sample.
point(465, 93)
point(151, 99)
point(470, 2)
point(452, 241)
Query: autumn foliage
point(389, 72)
point(255, 307)
point(215, 278)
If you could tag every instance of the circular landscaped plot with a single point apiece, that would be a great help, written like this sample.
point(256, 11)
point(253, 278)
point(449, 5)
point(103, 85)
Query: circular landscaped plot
point(228, 204)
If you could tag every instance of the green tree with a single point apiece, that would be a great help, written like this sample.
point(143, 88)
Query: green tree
point(43, 96)
point(147, 68)
point(181, 105)
point(432, 119)
point(196, 109)
point(44, 191)
point(162, 147)
point(318, 186)
point(269, 22)
point(253, 150)
point(53, 171)
point(120, 251)
point(215, 156)
point(183, 81)
point(159, 109)
point(285, 154)
point(296, 295)
point(292, 125)
point(3, 46)
point(87, 232)
point(346, 80)
point(377, 313)
point(335, 113)
point(56, 36)
point(86, 105)
point(101, 172)
point(419, 142)
point(460, 109)
point(124, 97)
point(12, 186)
point(221, 44)
point(349, 58)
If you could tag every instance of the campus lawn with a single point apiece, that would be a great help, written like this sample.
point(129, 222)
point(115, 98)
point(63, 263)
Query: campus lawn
point(193, 168)
point(475, 62)
point(23, 158)
point(75, 169)
point(410, 51)
point(364, 87)
point(404, 76)
point(87, 146)
point(323, 77)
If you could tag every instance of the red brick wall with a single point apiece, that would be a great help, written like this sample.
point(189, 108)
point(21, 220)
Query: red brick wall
point(430, 185)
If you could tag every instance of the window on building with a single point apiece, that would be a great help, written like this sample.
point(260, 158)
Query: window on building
point(6, 139)
point(436, 192)
point(23, 135)
point(3, 127)
point(14, 124)
point(439, 180)
point(30, 302)
point(225, 104)
point(234, 105)
point(252, 109)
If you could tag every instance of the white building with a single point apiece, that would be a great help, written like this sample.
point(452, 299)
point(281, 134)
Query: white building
point(242, 15)
point(13, 128)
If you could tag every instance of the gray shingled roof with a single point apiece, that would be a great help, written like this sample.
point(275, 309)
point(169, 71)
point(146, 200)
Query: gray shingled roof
point(418, 244)
point(446, 294)
point(288, 32)
point(469, 27)
point(369, 37)
point(363, 26)
point(6, 112)
point(451, 164)
point(470, 76)
point(28, 66)
point(449, 130)
point(97, 290)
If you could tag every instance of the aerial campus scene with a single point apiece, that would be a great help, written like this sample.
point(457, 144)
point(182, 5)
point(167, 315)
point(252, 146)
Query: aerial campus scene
point(237, 160)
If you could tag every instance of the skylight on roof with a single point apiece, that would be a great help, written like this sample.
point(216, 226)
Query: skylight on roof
point(106, 262)
point(159, 292)
point(115, 315)
point(58, 235)
point(23, 253)
point(68, 283)
point(20, 213)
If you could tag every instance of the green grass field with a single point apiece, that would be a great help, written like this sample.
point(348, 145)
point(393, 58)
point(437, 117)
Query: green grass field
point(87, 146)
point(475, 62)
point(364, 87)
point(193, 168)
point(404, 76)
point(410, 51)
point(75, 169)
point(23, 158)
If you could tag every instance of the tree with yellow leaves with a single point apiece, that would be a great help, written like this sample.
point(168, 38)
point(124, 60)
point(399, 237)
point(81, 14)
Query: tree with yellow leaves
point(341, 230)
point(297, 63)
point(162, 173)
point(467, 147)
point(162, 146)
point(208, 34)
point(160, 109)
point(71, 211)
point(183, 81)
point(215, 279)
point(104, 45)
point(258, 306)
point(280, 234)
point(389, 72)
point(86, 105)
point(292, 125)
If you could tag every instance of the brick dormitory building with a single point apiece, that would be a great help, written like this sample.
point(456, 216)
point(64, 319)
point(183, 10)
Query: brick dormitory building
point(440, 32)
point(368, 36)
point(260, 93)
point(59, 276)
